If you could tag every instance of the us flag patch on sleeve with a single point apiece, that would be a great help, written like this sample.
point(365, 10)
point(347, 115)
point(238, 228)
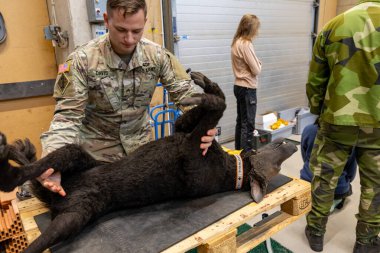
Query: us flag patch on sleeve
point(62, 68)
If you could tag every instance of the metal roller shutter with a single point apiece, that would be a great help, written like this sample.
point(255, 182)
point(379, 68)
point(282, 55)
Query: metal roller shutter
point(205, 29)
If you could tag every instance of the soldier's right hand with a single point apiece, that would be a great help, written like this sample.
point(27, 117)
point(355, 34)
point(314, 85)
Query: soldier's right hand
point(52, 181)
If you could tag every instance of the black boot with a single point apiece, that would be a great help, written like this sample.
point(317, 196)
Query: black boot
point(315, 241)
point(372, 247)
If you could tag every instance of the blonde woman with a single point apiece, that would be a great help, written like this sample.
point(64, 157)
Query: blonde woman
point(246, 67)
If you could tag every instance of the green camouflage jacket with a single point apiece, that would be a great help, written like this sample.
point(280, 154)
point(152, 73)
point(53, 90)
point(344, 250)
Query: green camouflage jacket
point(101, 103)
point(344, 83)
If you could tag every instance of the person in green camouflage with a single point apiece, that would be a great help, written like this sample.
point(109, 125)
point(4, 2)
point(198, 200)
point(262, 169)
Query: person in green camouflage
point(344, 90)
point(104, 89)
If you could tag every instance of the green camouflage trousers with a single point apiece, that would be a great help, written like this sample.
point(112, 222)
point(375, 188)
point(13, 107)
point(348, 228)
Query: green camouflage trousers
point(332, 147)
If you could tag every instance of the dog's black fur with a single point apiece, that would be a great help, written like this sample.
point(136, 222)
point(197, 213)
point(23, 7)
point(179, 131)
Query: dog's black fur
point(169, 168)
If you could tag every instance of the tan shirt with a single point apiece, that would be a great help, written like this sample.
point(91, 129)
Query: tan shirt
point(245, 64)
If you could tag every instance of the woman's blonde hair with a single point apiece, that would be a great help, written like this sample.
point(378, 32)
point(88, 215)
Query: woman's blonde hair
point(248, 28)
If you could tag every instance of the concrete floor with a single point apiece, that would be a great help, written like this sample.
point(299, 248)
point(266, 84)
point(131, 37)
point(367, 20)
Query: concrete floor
point(340, 235)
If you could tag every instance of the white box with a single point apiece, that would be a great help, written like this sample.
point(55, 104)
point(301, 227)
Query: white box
point(264, 121)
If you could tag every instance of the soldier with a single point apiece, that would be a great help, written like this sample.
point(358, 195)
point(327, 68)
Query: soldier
point(344, 90)
point(104, 88)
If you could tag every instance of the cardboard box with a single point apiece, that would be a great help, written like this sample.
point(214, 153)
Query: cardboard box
point(282, 132)
point(264, 121)
point(299, 116)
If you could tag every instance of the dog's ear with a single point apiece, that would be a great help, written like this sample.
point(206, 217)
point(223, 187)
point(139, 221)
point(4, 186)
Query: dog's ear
point(257, 191)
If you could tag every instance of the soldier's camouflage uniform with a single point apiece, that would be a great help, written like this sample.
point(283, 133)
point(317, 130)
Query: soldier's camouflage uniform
point(101, 103)
point(344, 89)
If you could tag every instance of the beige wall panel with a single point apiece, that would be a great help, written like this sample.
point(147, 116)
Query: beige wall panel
point(153, 28)
point(26, 55)
point(26, 118)
point(344, 5)
point(327, 11)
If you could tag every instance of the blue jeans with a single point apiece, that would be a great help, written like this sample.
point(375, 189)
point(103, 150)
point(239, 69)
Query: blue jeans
point(246, 100)
point(307, 141)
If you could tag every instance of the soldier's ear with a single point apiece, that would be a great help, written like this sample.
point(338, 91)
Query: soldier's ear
point(106, 19)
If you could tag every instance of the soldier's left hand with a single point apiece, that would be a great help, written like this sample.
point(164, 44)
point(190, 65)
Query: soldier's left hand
point(207, 140)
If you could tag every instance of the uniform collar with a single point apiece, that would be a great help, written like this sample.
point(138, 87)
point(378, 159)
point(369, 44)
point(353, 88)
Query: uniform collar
point(115, 62)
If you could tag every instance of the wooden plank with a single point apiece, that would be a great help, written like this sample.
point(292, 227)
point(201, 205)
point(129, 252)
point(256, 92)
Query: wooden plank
point(223, 244)
point(30, 205)
point(32, 234)
point(28, 219)
point(295, 188)
point(253, 237)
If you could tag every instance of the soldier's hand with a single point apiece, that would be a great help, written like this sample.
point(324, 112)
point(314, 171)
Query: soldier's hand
point(52, 181)
point(207, 140)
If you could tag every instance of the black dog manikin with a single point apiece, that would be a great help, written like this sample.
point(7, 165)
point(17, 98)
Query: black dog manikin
point(166, 169)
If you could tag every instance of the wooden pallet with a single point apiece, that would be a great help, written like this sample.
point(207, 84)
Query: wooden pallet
point(12, 234)
point(220, 237)
point(28, 209)
point(294, 198)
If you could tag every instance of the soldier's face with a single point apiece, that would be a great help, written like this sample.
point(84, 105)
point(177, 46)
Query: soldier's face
point(125, 31)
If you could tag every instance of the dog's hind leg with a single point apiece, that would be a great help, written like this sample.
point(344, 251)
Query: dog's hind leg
point(62, 227)
point(187, 122)
point(207, 85)
point(213, 101)
point(70, 158)
point(210, 109)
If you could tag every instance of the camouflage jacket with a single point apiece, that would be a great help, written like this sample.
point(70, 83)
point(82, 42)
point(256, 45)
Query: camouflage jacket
point(101, 103)
point(344, 83)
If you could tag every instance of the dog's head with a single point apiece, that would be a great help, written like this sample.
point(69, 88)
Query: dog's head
point(266, 163)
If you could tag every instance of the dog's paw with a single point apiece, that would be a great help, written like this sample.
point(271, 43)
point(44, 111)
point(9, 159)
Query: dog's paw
point(191, 101)
point(30, 150)
point(3, 147)
point(19, 145)
point(200, 79)
point(27, 148)
point(3, 139)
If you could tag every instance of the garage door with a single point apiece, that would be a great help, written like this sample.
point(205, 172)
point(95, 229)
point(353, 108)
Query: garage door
point(205, 28)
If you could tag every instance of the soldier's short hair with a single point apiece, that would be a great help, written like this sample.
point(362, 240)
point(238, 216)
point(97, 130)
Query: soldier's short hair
point(127, 6)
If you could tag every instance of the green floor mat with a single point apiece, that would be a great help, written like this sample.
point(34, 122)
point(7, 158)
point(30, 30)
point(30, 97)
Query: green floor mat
point(261, 248)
